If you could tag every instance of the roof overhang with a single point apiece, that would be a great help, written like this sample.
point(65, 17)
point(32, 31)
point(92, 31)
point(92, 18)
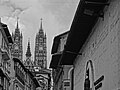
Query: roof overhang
point(86, 16)
point(8, 35)
point(18, 61)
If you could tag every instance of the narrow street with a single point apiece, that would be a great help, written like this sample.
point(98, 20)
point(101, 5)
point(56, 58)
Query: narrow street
point(59, 44)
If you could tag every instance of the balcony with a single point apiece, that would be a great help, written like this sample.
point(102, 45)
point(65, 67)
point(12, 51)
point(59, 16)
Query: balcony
point(5, 54)
point(20, 75)
point(4, 66)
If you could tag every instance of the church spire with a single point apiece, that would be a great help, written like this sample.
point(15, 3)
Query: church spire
point(17, 23)
point(41, 28)
point(28, 53)
point(40, 48)
point(41, 24)
point(45, 35)
point(17, 28)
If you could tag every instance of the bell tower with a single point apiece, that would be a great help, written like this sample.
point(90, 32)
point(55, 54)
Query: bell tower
point(40, 58)
point(17, 48)
point(28, 62)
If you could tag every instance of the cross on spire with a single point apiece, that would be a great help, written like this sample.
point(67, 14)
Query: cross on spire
point(41, 19)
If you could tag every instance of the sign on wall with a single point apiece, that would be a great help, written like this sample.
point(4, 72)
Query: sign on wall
point(66, 83)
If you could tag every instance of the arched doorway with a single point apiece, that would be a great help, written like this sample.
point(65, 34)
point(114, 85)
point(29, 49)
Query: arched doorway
point(89, 76)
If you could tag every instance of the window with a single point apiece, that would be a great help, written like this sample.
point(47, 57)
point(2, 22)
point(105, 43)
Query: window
point(4, 84)
point(66, 83)
point(16, 39)
point(16, 47)
point(16, 88)
point(2, 42)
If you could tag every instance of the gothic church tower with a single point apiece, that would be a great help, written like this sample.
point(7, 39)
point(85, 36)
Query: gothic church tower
point(28, 62)
point(17, 48)
point(40, 56)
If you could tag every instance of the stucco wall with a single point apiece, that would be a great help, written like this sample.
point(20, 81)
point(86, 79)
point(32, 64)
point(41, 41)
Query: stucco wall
point(103, 48)
point(67, 70)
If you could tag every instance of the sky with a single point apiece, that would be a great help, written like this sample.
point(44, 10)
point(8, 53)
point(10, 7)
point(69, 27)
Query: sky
point(57, 17)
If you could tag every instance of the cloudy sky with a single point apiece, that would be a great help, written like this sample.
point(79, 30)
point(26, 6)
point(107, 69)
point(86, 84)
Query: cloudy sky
point(57, 17)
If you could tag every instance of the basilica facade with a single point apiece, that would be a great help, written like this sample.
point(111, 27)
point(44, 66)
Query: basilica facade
point(38, 65)
point(40, 53)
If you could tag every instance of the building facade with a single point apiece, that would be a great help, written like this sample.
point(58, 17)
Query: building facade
point(21, 78)
point(5, 56)
point(17, 48)
point(93, 45)
point(99, 63)
point(62, 74)
point(16, 74)
point(38, 67)
point(44, 78)
point(40, 56)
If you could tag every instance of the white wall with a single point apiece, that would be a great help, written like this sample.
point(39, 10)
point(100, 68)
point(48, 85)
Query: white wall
point(103, 49)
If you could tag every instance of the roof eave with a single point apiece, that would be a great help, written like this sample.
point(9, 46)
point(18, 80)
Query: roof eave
point(80, 29)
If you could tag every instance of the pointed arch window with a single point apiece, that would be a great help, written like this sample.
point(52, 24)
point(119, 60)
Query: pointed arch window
point(17, 39)
point(16, 47)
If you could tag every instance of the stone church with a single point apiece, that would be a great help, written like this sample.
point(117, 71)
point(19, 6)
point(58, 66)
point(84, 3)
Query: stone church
point(40, 53)
point(38, 66)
